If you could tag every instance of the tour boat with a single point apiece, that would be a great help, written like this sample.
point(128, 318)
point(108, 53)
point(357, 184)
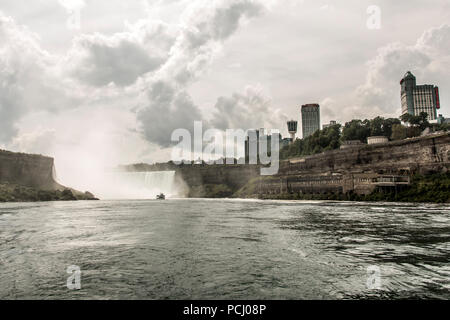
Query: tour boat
point(161, 196)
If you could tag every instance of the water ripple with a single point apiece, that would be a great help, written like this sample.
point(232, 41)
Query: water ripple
point(224, 249)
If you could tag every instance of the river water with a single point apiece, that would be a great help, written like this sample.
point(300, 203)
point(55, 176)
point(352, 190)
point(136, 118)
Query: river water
point(225, 249)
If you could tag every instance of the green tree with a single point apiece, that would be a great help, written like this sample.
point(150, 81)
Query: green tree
point(67, 195)
point(376, 126)
point(399, 132)
point(356, 130)
point(320, 141)
point(380, 126)
point(406, 118)
point(418, 123)
point(441, 127)
point(388, 125)
point(423, 121)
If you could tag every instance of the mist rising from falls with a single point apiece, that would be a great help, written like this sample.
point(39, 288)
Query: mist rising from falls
point(135, 185)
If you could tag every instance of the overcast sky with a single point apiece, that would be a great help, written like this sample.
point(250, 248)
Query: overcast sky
point(113, 90)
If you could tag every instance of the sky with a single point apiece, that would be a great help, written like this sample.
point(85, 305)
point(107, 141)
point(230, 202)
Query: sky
point(101, 83)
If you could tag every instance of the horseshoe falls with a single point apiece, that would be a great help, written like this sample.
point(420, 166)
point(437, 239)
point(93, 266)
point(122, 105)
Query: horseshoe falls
point(136, 185)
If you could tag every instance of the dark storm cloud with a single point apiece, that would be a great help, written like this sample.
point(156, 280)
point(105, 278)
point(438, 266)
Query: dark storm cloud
point(154, 67)
point(169, 106)
point(168, 110)
point(121, 59)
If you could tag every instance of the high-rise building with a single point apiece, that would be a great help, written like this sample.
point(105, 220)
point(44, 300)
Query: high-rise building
point(310, 119)
point(292, 129)
point(417, 99)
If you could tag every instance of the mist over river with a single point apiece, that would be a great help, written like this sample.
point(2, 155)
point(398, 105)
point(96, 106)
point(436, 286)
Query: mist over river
point(224, 249)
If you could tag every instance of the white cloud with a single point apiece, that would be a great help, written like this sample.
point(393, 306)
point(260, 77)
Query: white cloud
point(206, 25)
point(99, 100)
point(29, 77)
point(248, 110)
point(71, 5)
point(428, 59)
point(166, 59)
point(327, 7)
point(122, 58)
point(147, 78)
point(40, 140)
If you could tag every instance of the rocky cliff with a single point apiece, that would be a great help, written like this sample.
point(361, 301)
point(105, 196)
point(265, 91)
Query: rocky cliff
point(27, 170)
point(215, 180)
point(203, 180)
point(28, 177)
point(360, 170)
point(416, 155)
point(355, 170)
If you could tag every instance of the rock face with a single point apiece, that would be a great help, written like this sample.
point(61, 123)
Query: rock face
point(27, 170)
point(27, 177)
point(215, 181)
point(418, 155)
point(359, 169)
point(203, 180)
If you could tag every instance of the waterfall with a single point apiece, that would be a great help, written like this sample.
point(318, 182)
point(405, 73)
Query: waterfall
point(137, 185)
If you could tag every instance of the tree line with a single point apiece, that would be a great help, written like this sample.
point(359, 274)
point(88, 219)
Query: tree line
point(332, 137)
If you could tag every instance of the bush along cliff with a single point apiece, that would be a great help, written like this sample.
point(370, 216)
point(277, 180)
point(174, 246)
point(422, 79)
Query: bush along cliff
point(411, 170)
point(423, 188)
point(332, 137)
point(17, 193)
point(433, 188)
point(27, 177)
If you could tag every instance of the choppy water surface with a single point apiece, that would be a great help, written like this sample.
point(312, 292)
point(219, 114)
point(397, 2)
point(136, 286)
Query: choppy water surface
point(224, 249)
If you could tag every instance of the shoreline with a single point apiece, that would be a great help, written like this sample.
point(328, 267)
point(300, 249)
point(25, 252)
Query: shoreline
point(14, 193)
point(429, 188)
point(318, 201)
